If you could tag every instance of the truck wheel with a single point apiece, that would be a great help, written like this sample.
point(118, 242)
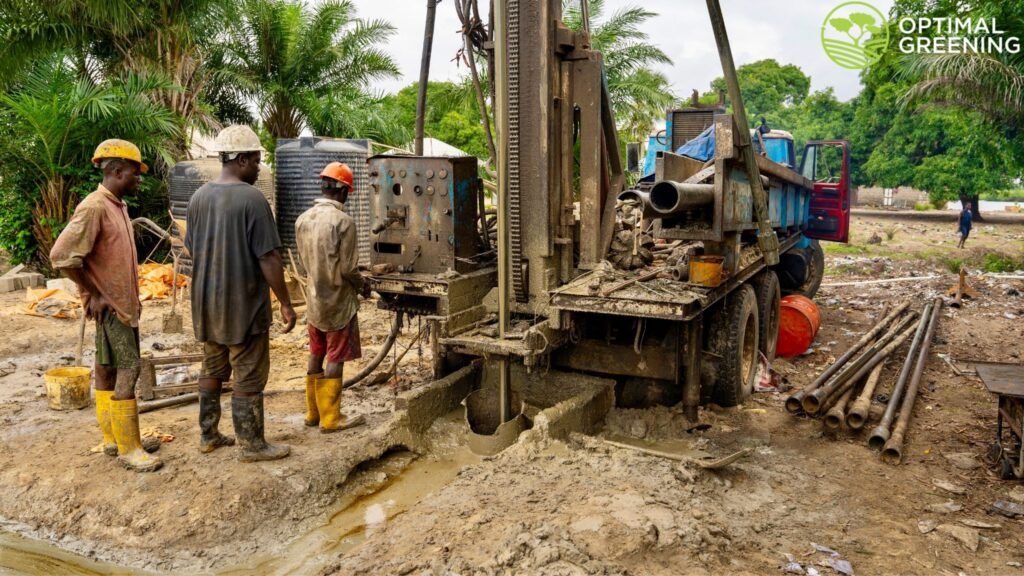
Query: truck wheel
point(815, 270)
point(768, 294)
point(734, 339)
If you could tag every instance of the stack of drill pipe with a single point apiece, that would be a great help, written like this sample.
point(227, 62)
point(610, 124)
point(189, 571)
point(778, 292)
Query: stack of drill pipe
point(880, 434)
point(858, 413)
point(892, 453)
point(793, 403)
point(835, 416)
point(850, 375)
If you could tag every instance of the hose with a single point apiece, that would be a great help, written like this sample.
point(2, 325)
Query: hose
point(396, 327)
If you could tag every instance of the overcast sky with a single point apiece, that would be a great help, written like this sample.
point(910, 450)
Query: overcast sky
point(786, 31)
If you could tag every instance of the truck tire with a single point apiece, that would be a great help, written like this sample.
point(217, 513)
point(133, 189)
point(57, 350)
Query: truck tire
point(800, 270)
point(815, 270)
point(733, 338)
point(768, 294)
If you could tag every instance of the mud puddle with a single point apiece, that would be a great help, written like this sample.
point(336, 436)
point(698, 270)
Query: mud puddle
point(25, 556)
point(378, 493)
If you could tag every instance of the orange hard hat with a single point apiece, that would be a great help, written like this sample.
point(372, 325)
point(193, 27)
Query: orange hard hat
point(338, 171)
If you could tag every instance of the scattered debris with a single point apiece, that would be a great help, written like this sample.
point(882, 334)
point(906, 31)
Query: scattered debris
point(155, 281)
point(1017, 493)
point(949, 486)
point(51, 303)
point(926, 526)
point(792, 566)
point(841, 566)
point(967, 536)
point(963, 460)
point(1008, 509)
point(825, 550)
point(980, 524)
point(947, 507)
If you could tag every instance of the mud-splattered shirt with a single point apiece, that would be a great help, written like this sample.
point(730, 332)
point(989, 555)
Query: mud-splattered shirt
point(99, 239)
point(326, 239)
point(230, 227)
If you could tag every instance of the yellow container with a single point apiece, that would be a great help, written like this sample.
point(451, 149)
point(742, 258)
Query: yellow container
point(68, 388)
point(706, 271)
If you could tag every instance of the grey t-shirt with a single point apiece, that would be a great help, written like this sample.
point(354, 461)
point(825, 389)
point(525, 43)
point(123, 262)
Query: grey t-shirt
point(229, 227)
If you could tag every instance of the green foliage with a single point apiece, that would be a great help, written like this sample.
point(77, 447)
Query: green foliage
point(953, 264)
point(288, 56)
point(1001, 263)
point(767, 87)
point(639, 94)
point(923, 206)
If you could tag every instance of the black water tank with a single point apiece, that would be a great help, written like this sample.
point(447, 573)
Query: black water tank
point(188, 176)
point(297, 166)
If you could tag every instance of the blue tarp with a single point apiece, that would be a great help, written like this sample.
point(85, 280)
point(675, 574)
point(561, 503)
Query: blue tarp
point(700, 148)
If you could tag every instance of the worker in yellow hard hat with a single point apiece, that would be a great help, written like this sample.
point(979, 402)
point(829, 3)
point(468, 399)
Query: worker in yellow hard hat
point(326, 238)
point(97, 251)
point(233, 240)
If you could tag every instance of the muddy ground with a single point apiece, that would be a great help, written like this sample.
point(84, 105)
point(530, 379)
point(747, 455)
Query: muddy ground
point(542, 506)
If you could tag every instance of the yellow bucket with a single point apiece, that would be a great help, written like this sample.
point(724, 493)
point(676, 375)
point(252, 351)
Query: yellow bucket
point(68, 388)
point(706, 271)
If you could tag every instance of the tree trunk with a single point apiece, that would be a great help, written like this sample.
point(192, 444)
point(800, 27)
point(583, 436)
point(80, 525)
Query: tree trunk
point(975, 205)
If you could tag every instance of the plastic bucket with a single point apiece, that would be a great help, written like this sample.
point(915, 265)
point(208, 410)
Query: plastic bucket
point(68, 388)
point(799, 321)
point(706, 271)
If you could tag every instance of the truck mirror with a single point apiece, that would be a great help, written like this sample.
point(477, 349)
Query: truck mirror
point(633, 157)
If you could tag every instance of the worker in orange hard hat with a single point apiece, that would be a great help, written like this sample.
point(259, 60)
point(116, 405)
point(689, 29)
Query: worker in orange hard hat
point(326, 239)
point(97, 251)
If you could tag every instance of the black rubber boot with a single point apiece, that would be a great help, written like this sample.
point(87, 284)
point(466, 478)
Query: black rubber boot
point(247, 414)
point(209, 419)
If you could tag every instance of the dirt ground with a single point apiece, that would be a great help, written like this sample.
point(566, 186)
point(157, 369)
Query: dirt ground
point(542, 506)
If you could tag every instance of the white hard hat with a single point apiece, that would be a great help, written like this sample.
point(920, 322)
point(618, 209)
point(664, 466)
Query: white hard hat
point(236, 139)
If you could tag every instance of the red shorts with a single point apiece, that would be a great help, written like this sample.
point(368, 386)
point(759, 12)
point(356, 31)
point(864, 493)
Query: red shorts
point(338, 345)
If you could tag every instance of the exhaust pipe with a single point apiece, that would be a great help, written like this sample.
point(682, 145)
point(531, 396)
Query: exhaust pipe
point(880, 435)
point(669, 197)
point(892, 453)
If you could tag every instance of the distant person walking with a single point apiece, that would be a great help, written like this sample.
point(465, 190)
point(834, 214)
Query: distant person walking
point(235, 263)
point(97, 251)
point(966, 218)
point(327, 243)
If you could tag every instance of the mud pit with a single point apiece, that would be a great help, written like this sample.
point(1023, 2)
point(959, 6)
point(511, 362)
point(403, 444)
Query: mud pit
point(543, 506)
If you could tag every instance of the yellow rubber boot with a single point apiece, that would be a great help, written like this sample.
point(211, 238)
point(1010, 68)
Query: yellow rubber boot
point(312, 413)
point(328, 401)
point(108, 446)
point(124, 420)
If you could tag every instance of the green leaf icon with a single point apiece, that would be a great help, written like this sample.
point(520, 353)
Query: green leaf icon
point(841, 24)
point(862, 19)
point(873, 29)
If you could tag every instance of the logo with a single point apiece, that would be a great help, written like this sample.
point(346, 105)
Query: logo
point(854, 35)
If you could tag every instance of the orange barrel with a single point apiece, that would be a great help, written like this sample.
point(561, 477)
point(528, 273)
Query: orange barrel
point(799, 321)
point(706, 271)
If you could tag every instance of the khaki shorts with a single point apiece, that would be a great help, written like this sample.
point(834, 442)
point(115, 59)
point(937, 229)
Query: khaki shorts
point(117, 344)
point(250, 362)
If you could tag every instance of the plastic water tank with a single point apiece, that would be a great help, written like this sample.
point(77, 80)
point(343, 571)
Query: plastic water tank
point(297, 166)
point(188, 176)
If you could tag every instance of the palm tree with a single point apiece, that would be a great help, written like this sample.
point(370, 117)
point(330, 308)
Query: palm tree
point(285, 55)
point(638, 93)
point(65, 116)
point(175, 40)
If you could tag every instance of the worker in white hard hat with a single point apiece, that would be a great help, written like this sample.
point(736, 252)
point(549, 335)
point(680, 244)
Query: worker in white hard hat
point(233, 240)
point(97, 251)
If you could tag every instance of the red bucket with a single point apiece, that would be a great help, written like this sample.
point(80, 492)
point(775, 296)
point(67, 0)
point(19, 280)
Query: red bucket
point(799, 321)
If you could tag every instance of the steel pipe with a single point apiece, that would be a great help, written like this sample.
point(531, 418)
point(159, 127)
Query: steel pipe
point(834, 416)
point(880, 434)
point(642, 198)
point(892, 453)
point(793, 403)
point(669, 197)
point(857, 414)
point(421, 92)
point(874, 354)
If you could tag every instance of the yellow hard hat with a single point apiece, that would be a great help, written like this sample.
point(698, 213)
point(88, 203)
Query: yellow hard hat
point(117, 148)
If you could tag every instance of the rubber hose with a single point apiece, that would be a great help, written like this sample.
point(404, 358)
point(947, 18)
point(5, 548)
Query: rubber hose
point(396, 327)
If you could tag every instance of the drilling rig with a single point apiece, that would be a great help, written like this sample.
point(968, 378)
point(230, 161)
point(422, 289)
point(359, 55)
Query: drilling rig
point(540, 300)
